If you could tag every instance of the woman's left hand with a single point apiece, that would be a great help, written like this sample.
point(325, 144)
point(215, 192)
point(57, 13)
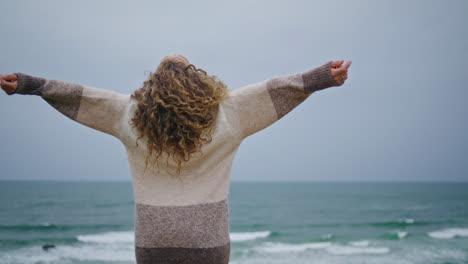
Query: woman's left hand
point(340, 71)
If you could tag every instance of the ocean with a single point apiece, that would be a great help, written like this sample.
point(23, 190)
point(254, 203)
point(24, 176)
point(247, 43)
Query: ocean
point(282, 222)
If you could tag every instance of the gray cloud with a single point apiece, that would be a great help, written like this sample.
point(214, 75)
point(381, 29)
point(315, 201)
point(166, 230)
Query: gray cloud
point(400, 116)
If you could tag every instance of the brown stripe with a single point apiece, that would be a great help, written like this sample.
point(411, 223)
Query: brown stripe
point(286, 93)
point(214, 255)
point(63, 96)
point(192, 226)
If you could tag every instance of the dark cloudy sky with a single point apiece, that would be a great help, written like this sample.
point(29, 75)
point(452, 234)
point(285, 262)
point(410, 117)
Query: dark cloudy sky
point(401, 116)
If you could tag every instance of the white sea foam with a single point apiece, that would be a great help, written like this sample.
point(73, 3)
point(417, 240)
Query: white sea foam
point(357, 248)
point(283, 247)
point(108, 238)
point(108, 247)
point(360, 243)
point(348, 250)
point(406, 255)
point(406, 220)
point(401, 234)
point(69, 254)
point(128, 237)
point(449, 233)
point(245, 236)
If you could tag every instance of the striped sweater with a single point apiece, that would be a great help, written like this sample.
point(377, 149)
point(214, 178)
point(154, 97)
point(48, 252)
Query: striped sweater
point(182, 221)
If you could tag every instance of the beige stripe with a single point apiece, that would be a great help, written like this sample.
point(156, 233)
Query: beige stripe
point(102, 109)
point(286, 93)
point(215, 255)
point(255, 108)
point(192, 226)
point(204, 178)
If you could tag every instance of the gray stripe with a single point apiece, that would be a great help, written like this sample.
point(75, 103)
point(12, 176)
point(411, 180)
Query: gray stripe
point(192, 226)
point(28, 84)
point(214, 255)
point(63, 96)
point(286, 93)
point(319, 78)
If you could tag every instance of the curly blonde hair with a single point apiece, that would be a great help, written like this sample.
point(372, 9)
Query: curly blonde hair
point(177, 107)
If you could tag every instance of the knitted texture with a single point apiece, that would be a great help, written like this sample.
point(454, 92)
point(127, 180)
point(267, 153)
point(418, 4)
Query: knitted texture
point(28, 84)
point(319, 78)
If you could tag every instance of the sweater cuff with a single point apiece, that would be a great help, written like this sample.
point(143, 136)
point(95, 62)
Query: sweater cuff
point(319, 78)
point(28, 84)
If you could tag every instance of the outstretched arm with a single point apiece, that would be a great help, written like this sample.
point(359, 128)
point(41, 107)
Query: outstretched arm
point(97, 108)
point(260, 105)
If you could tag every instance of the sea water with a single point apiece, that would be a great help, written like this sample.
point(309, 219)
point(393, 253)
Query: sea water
point(92, 222)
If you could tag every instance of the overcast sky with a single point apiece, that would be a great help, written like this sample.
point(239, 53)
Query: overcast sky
point(401, 116)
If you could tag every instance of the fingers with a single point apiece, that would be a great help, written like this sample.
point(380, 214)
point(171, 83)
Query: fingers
point(340, 71)
point(344, 69)
point(8, 87)
point(347, 65)
point(5, 84)
point(9, 77)
point(336, 64)
point(9, 83)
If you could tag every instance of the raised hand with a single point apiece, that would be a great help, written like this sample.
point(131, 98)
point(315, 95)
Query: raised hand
point(9, 83)
point(340, 71)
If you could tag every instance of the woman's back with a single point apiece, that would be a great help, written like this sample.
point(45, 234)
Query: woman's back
point(188, 212)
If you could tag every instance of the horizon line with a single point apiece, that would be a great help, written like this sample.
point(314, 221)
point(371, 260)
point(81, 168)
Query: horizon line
point(248, 181)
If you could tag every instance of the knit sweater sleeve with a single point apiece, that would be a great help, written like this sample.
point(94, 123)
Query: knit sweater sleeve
point(96, 108)
point(261, 104)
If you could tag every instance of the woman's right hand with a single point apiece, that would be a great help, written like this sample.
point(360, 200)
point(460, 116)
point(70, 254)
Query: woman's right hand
point(9, 83)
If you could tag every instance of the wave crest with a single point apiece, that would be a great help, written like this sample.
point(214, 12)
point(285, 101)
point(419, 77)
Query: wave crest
point(245, 236)
point(448, 233)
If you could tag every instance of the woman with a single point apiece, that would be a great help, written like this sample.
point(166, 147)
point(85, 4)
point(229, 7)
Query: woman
point(190, 126)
